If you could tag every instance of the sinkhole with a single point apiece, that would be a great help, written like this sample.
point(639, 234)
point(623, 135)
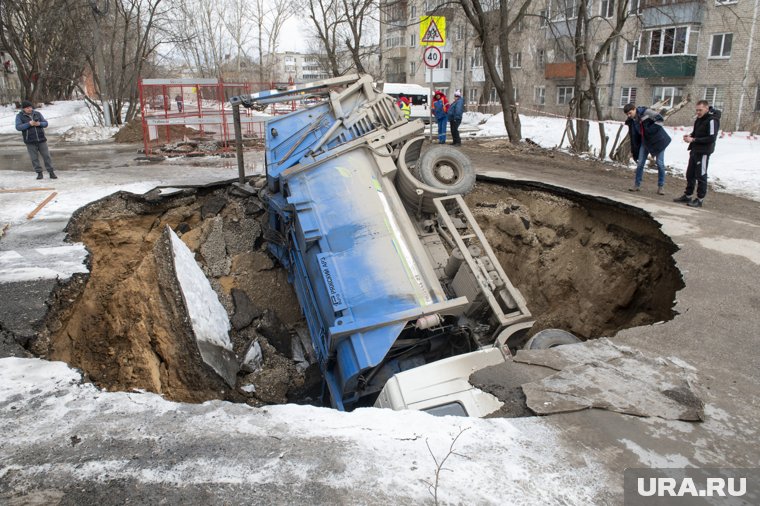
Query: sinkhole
point(584, 264)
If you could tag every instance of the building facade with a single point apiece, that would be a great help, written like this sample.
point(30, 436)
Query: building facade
point(668, 49)
point(298, 67)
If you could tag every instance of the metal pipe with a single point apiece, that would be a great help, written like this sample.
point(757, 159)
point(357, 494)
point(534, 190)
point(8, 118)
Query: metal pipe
point(238, 142)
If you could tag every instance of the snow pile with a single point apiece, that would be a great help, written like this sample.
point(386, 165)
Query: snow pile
point(474, 118)
point(732, 166)
point(88, 133)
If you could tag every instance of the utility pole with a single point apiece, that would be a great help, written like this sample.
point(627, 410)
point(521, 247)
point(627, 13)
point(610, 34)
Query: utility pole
point(98, 14)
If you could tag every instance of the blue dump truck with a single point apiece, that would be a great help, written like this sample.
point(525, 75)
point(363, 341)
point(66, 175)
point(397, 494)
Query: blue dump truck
point(390, 268)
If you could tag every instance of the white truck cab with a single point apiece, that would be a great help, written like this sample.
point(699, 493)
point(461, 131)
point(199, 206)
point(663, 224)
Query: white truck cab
point(442, 388)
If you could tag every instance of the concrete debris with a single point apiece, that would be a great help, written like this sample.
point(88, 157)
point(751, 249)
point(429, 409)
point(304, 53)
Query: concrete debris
point(599, 374)
point(213, 206)
point(254, 359)
point(240, 235)
point(278, 335)
point(245, 311)
point(213, 248)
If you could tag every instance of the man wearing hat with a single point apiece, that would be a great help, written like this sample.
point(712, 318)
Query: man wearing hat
point(456, 110)
point(32, 126)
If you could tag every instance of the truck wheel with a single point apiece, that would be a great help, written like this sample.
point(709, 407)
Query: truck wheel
point(549, 338)
point(448, 169)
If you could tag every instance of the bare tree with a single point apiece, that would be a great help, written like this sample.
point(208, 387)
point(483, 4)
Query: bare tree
point(37, 36)
point(494, 32)
point(127, 39)
point(327, 18)
point(358, 13)
point(270, 16)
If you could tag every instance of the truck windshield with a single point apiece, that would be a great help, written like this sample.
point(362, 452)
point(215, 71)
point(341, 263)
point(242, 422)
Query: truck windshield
point(450, 409)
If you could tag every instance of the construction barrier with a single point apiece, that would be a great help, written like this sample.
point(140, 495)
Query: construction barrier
point(193, 115)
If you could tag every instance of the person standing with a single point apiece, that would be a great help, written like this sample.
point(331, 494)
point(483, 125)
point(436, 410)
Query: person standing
point(439, 109)
point(180, 102)
point(456, 110)
point(32, 126)
point(406, 109)
point(647, 137)
point(701, 145)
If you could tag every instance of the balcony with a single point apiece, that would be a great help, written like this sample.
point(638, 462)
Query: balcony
point(679, 65)
point(396, 52)
point(440, 76)
point(656, 13)
point(563, 70)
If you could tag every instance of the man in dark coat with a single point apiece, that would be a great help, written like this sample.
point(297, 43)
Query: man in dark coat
point(647, 137)
point(32, 126)
point(701, 145)
point(455, 113)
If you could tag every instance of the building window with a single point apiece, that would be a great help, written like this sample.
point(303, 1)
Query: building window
point(627, 96)
point(565, 94)
point(412, 68)
point(445, 63)
point(543, 18)
point(460, 32)
point(721, 45)
point(473, 95)
point(666, 41)
point(631, 52)
point(413, 40)
point(477, 59)
point(515, 60)
point(726, 2)
point(460, 65)
point(565, 9)
point(539, 95)
point(670, 95)
point(540, 57)
point(715, 96)
point(608, 8)
point(493, 97)
point(635, 7)
point(605, 57)
point(413, 12)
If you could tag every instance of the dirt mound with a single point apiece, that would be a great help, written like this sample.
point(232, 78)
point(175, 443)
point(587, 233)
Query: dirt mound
point(584, 265)
point(132, 132)
point(120, 324)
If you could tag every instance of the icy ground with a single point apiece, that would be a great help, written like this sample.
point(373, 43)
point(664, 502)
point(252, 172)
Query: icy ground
point(370, 456)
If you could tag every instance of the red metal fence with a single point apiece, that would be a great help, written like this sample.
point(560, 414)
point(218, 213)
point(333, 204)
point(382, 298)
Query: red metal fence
point(194, 115)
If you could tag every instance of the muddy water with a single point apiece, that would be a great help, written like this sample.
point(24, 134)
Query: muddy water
point(585, 265)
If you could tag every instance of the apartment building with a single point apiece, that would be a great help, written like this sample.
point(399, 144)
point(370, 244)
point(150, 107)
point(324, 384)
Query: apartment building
point(298, 67)
point(668, 49)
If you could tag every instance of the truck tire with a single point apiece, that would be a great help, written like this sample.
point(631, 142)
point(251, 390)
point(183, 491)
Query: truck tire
point(448, 169)
point(549, 338)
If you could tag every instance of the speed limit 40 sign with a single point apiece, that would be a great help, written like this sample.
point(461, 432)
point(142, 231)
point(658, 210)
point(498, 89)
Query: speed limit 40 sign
point(432, 56)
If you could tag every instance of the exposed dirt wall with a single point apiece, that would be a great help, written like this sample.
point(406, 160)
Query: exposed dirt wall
point(585, 265)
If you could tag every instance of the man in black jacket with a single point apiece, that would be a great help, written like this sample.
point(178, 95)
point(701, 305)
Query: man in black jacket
point(647, 137)
point(32, 126)
point(701, 144)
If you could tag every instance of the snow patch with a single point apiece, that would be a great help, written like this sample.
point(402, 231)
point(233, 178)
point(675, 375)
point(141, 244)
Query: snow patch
point(207, 315)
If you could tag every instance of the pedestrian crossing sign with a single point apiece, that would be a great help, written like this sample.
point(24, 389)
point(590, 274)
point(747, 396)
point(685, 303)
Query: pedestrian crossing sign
point(432, 30)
